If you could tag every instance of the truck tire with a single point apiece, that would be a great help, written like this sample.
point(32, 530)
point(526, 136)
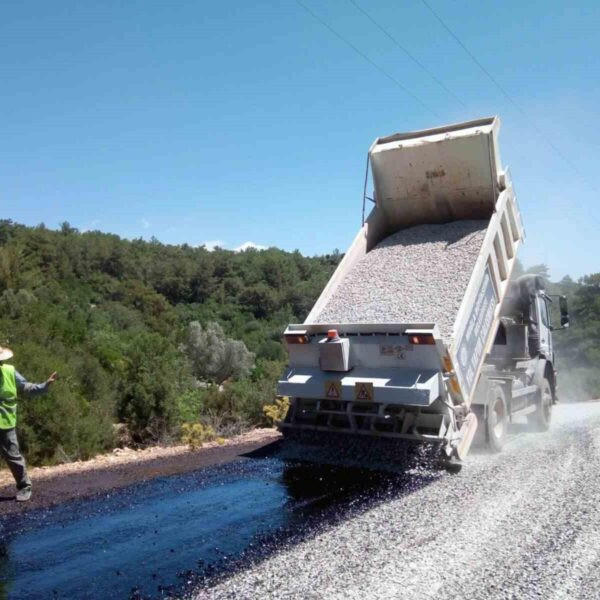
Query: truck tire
point(540, 419)
point(496, 422)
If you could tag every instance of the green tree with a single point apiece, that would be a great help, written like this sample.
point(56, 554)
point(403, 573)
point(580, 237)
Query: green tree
point(148, 387)
point(213, 356)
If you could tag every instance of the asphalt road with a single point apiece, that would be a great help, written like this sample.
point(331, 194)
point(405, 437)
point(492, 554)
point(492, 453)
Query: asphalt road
point(161, 538)
point(521, 524)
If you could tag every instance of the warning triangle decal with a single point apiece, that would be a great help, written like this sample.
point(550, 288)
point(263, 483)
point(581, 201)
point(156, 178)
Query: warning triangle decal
point(363, 394)
point(332, 392)
point(363, 391)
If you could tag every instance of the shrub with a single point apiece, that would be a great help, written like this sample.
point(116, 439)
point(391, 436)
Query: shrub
point(67, 423)
point(196, 434)
point(148, 388)
point(190, 404)
point(276, 412)
point(213, 356)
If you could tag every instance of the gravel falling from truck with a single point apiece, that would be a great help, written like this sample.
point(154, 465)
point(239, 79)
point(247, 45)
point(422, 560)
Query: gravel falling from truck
point(417, 275)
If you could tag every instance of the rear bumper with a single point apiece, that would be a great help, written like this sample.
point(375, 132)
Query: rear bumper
point(402, 387)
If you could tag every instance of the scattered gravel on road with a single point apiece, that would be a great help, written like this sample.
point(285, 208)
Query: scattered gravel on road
point(418, 275)
point(522, 524)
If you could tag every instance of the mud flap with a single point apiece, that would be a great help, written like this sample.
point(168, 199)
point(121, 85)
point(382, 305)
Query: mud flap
point(467, 433)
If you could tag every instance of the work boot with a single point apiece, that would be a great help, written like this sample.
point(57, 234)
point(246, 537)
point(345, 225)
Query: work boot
point(23, 494)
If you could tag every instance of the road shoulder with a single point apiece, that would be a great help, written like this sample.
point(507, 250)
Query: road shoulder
point(54, 485)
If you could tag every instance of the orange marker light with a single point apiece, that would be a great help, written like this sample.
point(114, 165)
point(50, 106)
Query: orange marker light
point(297, 338)
point(447, 364)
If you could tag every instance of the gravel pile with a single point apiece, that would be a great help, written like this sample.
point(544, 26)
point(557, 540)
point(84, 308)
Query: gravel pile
point(418, 275)
point(522, 524)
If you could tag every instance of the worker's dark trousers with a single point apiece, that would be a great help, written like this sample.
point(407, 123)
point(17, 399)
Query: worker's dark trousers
point(9, 448)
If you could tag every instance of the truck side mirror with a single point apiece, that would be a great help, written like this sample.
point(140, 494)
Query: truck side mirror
point(564, 311)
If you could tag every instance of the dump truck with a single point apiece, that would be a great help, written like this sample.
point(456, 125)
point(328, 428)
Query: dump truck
point(422, 333)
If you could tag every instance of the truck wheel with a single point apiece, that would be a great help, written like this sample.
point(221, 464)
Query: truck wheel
point(540, 419)
point(496, 422)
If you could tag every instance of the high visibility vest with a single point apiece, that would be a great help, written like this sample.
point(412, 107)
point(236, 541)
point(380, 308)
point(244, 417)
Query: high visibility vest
point(8, 398)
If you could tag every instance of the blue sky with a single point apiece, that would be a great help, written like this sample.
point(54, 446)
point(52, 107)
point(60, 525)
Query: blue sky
point(250, 121)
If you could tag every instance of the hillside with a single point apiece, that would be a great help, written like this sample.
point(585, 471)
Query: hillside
point(120, 321)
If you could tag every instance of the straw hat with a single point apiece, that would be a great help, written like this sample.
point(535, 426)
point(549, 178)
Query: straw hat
point(5, 353)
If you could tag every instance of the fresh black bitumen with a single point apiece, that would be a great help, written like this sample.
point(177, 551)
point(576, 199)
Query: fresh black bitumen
point(158, 538)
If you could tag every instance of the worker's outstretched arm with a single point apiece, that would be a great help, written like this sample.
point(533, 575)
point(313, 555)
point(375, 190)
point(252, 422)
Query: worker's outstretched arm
point(34, 389)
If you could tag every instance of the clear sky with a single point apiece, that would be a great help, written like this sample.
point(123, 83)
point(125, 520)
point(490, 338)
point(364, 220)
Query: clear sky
point(239, 121)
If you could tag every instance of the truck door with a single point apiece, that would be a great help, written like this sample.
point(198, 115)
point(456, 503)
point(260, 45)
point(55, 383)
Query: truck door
point(544, 327)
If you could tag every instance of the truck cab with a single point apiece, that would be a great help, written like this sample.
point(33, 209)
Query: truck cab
point(519, 378)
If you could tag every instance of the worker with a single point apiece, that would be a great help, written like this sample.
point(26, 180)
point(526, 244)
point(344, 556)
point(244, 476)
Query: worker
point(11, 382)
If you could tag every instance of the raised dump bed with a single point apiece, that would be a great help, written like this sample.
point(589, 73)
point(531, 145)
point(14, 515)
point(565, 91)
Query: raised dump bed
point(414, 306)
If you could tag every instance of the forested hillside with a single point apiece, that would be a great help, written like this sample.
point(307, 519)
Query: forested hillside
point(144, 334)
point(153, 336)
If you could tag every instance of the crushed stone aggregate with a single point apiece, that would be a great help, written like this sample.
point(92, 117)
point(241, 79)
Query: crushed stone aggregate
point(521, 524)
point(417, 275)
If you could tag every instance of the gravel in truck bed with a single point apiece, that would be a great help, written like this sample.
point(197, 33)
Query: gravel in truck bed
point(417, 275)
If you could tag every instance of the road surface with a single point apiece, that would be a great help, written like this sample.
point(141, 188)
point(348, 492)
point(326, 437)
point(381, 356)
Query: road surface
point(523, 524)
